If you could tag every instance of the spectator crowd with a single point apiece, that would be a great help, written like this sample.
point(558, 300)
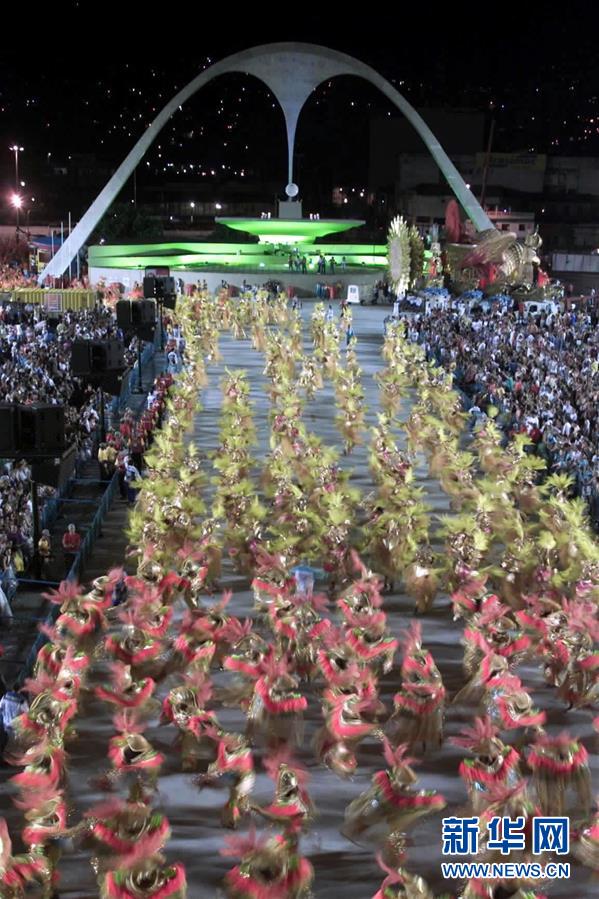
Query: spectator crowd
point(537, 375)
point(35, 350)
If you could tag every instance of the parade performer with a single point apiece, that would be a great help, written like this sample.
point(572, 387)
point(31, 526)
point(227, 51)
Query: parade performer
point(128, 837)
point(17, 872)
point(292, 807)
point(234, 760)
point(586, 847)
point(501, 695)
point(419, 704)
point(130, 752)
point(344, 728)
point(276, 709)
point(391, 798)
point(421, 579)
point(399, 883)
point(185, 706)
point(491, 629)
point(126, 691)
point(270, 868)
point(494, 763)
point(151, 878)
point(559, 764)
point(506, 802)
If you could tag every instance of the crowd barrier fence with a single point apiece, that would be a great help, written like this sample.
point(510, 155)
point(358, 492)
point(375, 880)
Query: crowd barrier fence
point(94, 531)
point(59, 300)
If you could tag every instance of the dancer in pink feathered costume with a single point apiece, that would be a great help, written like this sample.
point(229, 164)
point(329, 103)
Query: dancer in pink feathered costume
point(391, 799)
point(494, 763)
point(419, 705)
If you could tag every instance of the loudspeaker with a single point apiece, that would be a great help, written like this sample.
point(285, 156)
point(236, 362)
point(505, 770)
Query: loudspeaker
point(8, 428)
point(80, 357)
point(161, 288)
point(112, 381)
point(149, 286)
point(92, 357)
point(168, 286)
point(106, 355)
point(143, 318)
point(41, 429)
point(137, 316)
point(115, 355)
point(123, 314)
point(55, 472)
point(143, 313)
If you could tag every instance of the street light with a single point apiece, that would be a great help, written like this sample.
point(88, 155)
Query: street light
point(17, 201)
point(193, 206)
point(16, 149)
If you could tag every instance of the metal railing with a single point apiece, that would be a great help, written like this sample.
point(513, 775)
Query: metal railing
point(49, 515)
point(119, 402)
point(57, 300)
point(85, 550)
point(94, 531)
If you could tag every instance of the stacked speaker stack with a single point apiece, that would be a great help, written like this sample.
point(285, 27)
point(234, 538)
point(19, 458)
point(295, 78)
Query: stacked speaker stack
point(137, 317)
point(99, 362)
point(162, 289)
point(33, 430)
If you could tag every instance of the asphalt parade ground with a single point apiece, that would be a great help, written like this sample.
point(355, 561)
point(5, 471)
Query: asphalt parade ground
point(341, 867)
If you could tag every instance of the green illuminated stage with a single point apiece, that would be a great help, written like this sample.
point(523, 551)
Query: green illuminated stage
point(251, 256)
point(290, 232)
point(279, 237)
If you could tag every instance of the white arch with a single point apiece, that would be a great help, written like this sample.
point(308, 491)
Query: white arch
point(291, 71)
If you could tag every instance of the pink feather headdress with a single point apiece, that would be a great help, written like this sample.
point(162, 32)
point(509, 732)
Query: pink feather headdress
point(582, 617)
point(411, 640)
point(538, 760)
point(474, 737)
point(67, 591)
point(242, 845)
point(283, 756)
point(237, 630)
point(396, 757)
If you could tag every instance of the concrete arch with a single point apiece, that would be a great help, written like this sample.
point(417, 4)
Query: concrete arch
point(291, 71)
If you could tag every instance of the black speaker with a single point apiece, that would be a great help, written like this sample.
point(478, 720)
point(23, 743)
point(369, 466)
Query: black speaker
point(115, 355)
point(41, 429)
point(143, 318)
point(137, 317)
point(123, 314)
point(168, 286)
point(55, 472)
point(80, 357)
point(149, 286)
point(161, 288)
point(106, 355)
point(8, 428)
point(143, 313)
point(92, 357)
point(112, 381)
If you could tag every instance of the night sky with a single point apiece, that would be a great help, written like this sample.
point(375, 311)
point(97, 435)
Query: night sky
point(91, 85)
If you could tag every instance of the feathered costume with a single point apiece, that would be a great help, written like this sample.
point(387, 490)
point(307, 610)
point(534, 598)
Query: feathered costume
point(391, 798)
